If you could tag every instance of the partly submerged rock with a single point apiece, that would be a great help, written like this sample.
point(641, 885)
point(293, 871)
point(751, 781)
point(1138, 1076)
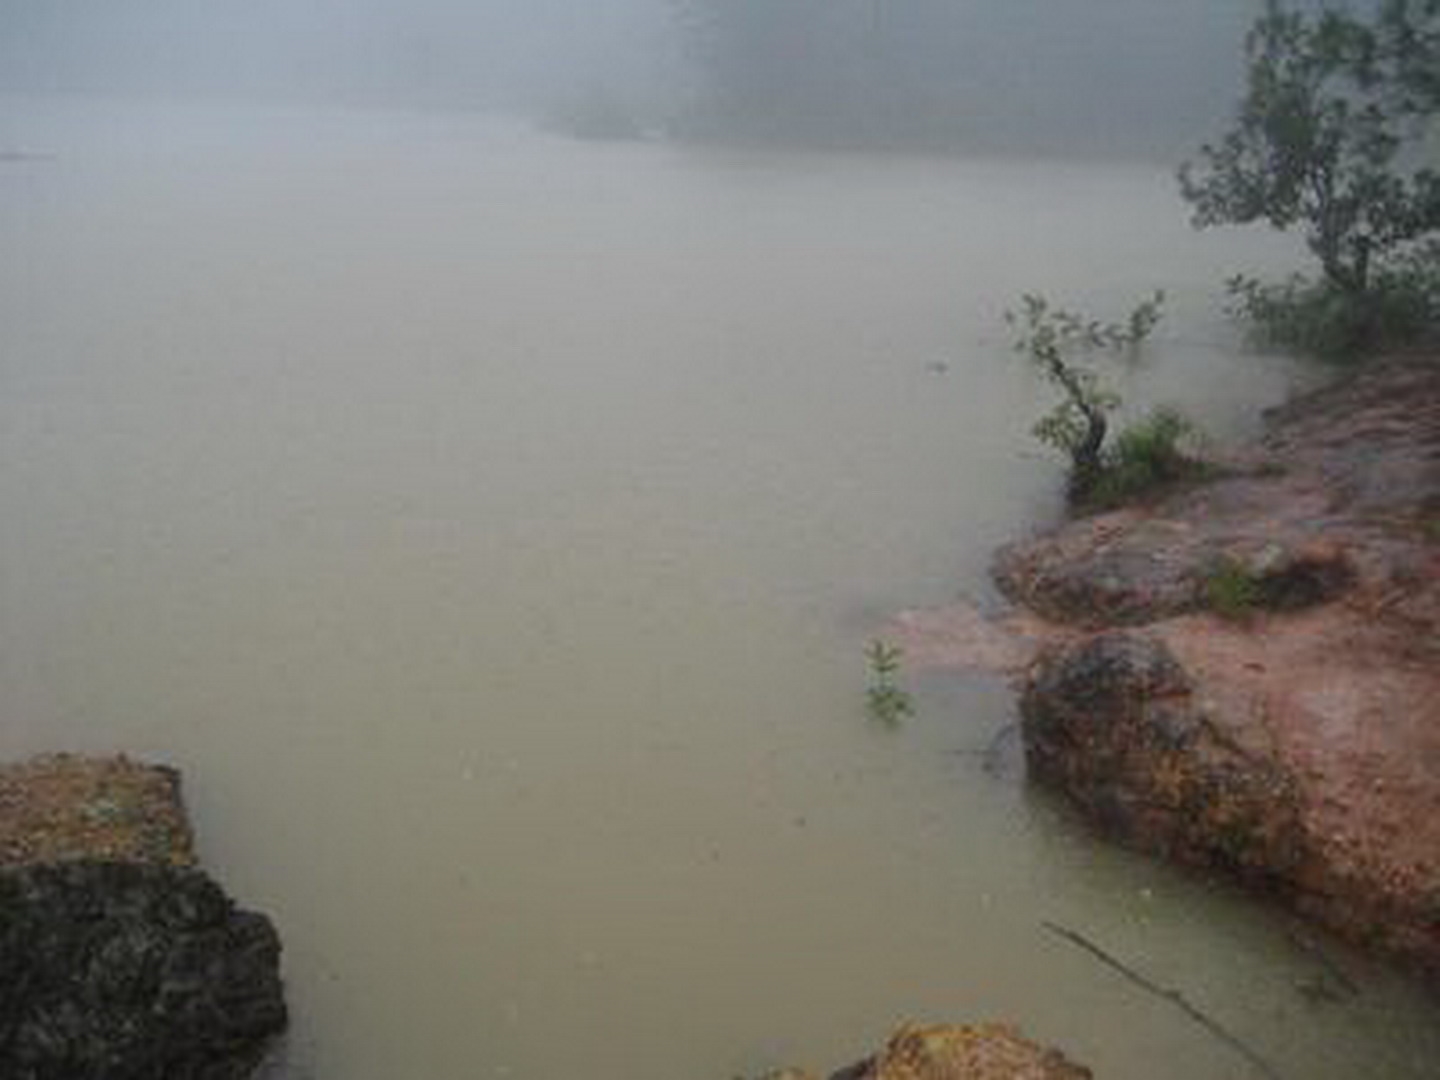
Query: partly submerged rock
point(119, 960)
point(955, 1052)
point(965, 1052)
point(1114, 721)
point(1296, 743)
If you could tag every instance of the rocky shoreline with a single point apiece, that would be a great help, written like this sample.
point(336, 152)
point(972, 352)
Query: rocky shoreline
point(1244, 675)
point(119, 957)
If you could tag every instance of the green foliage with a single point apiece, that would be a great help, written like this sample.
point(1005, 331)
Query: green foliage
point(1053, 339)
point(885, 700)
point(1233, 592)
point(1329, 139)
point(1401, 58)
point(1048, 332)
point(1145, 457)
point(1152, 445)
point(1315, 317)
point(1071, 425)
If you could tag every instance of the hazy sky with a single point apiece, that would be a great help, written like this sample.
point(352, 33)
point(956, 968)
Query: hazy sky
point(463, 50)
point(1148, 64)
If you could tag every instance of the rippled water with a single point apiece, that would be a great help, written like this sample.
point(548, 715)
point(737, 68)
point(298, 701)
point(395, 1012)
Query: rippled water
point(491, 525)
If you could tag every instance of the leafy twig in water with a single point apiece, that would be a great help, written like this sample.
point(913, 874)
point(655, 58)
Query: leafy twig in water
point(885, 699)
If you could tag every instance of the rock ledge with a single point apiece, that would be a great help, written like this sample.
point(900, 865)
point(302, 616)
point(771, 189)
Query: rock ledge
point(119, 958)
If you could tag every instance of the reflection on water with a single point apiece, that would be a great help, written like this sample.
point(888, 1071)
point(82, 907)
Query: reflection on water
point(491, 527)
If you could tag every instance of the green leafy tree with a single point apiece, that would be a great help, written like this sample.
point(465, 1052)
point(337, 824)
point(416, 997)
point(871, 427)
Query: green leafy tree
point(1402, 56)
point(1330, 138)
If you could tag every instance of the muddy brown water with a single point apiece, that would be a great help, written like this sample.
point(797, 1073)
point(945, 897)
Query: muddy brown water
point(490, 525)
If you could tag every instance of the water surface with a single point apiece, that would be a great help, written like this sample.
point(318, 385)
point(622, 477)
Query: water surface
point(491, 525)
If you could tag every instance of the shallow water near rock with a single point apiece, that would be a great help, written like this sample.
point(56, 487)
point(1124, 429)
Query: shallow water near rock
point(490, 526)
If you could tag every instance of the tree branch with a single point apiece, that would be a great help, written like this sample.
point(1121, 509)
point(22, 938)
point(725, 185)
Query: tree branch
point(1174, 997)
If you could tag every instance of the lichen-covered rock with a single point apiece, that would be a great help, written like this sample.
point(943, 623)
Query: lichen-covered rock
point(963, 1052)
point(61, 807)
point(126, 971)
point(1113, 721)
point(969, 1052)
point(954, 1052)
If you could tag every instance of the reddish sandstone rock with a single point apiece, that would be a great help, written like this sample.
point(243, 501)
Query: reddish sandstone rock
point(1116, 723)
point(1297, 745)
point(1343, 491)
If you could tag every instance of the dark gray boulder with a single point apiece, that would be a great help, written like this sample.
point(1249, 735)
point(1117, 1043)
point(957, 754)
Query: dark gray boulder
point(132, 971)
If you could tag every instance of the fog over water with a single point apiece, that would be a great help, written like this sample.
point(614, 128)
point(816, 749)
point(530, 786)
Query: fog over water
point(490, 522)
point(1111, 75)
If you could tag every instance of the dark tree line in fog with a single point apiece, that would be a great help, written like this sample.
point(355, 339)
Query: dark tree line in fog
point(1105, 76)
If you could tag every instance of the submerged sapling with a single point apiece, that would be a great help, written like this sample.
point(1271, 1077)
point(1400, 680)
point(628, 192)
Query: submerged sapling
point(885, 699)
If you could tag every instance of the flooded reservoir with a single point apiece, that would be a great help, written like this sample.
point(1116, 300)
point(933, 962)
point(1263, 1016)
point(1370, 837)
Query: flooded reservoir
point(491, 526)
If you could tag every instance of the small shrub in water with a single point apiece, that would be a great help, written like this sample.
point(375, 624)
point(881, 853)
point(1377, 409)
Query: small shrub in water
point(885, 699)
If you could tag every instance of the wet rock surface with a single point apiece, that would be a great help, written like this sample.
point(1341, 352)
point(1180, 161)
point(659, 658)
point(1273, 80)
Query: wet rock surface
point(1296, 741)
point(128, 970)
point(1114, 721)
point(955, 1052)
point(119, 958)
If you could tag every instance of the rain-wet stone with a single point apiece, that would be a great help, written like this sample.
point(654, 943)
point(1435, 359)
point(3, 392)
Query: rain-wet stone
point(126, 971)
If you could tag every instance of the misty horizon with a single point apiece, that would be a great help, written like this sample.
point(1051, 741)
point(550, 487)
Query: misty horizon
point(1124, 76)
